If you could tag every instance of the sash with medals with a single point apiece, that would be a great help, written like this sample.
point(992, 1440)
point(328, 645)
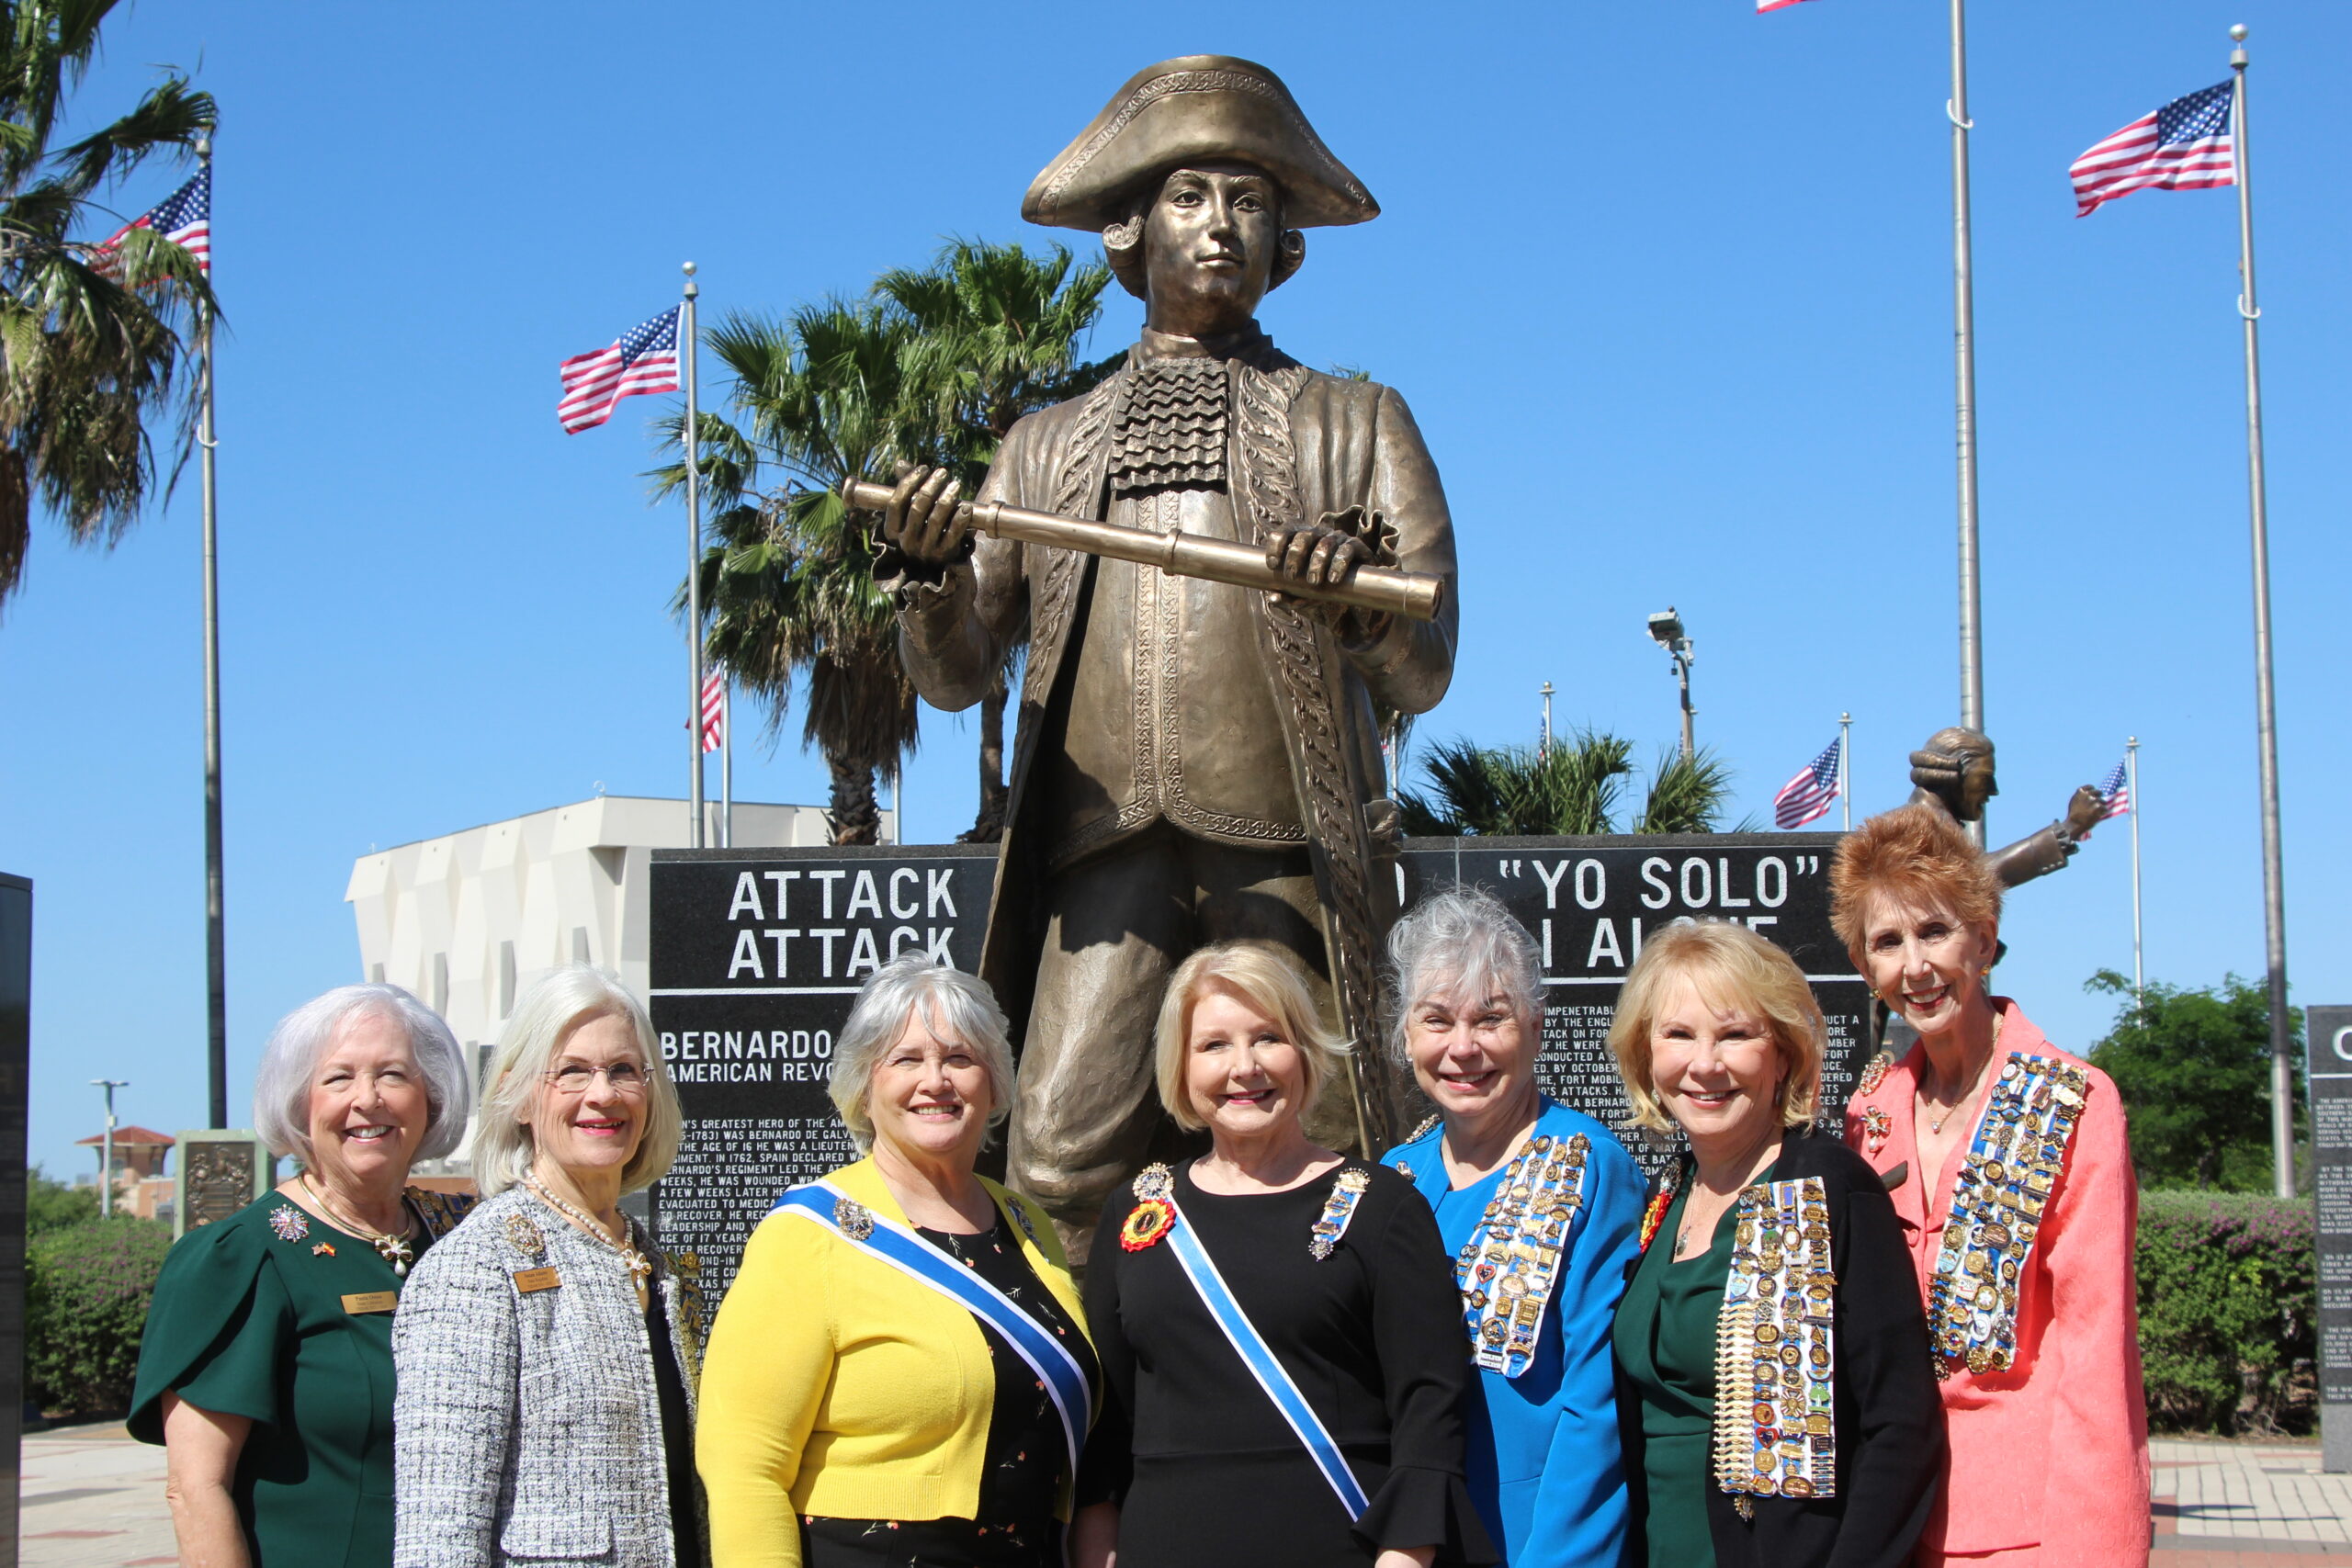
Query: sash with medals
point(1155, 1188)
point(1775, 1396)
point(1507, 1270)
point(1997, 1204)
point(888, 1242)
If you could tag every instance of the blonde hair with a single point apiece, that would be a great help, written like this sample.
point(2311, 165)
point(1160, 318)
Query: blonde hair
point(1270, 980)
point(1733, 968)
point(546, 1016)
point(1917, 857)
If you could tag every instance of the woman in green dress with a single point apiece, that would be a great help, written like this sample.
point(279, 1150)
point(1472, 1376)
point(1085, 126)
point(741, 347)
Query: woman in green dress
point(267, 1367)
point(1774, 1392)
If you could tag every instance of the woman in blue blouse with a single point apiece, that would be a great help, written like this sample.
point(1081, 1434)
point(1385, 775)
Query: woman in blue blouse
point(1540, 1204)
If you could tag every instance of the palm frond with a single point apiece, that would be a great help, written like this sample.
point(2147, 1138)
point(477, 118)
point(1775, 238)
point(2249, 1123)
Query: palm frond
point(1686, 795)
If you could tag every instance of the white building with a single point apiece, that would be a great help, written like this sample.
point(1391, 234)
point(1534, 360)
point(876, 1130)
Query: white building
point(467, 920)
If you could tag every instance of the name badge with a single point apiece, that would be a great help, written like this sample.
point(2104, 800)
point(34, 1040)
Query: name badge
point(529, 1280)
point(371, 1301)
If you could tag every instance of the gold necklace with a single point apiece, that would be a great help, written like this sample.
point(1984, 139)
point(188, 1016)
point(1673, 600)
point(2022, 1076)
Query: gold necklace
point(394, 1249)
point(1936, 1124)
point(640, 1267)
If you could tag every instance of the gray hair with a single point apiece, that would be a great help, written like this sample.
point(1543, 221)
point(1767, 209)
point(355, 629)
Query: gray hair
point(290, 1062)
point(1460, 942)
point(952, 1003)
point(545, 1017)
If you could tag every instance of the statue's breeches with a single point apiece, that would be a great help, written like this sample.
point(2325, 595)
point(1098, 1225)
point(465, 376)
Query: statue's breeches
point(1117, 925)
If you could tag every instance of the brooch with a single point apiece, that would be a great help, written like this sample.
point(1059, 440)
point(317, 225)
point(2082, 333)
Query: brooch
point(289, 1222)
point(1020, 1218)
point(1406, 1171)
point(1874, 1074)
point(856, 1221)
point(1654, 1213)
point(1347, 1190)
point(525, 1237)
point(324, 1248)
point(1153, 1216)
point(1428, 1125)
point(1876, 1126)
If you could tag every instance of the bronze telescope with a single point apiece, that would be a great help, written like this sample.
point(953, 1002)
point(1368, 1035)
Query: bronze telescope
point(1413, 595)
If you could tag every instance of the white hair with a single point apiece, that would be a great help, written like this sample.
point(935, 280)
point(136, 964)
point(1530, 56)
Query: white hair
point(954, 1005)
point(545, 1017)
point(289, 1064)
point(1461, 943)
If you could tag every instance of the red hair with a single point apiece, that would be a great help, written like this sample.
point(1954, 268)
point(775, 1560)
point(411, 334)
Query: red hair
point(1916, 856)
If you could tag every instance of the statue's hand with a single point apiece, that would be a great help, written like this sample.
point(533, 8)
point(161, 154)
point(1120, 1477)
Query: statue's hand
point(2084, 811)
point(1313, 555)
point(924, 520)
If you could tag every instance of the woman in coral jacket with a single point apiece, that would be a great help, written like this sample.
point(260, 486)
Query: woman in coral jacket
point(2006, 1160)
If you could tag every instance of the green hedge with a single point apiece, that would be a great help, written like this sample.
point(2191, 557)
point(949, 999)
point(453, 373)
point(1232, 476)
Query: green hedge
point(87, 1289)
point(2228, 1294)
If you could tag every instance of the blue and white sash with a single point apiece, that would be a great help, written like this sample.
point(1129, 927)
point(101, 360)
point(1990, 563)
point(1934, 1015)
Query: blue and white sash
point(887, 1241)
point(1259, 1357)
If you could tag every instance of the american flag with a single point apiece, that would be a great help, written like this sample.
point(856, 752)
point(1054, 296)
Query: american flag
point(2183, 146)
point(1807, 796)
point(644, 360)
point(185, 219)
point(2115, 792)
point(714, 710)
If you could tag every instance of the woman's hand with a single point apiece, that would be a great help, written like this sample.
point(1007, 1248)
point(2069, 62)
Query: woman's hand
point(1405, 1557)
point(200, 1450)
point(1094, 1537)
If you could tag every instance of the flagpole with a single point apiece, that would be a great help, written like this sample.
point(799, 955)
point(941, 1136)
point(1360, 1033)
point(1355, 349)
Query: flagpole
point(2274, 902)
point(1972, 607)
point(694, 564)
point(1845, 765)
point(216, 949)
point(2131, 781)
point(727, 765)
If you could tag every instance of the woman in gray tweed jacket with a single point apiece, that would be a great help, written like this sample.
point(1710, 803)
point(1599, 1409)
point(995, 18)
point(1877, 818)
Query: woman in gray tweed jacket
point(546, 1354)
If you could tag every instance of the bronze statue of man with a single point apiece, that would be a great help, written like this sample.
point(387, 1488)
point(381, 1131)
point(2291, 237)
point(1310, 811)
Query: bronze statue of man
point(1194, 762)
point(1954, 771)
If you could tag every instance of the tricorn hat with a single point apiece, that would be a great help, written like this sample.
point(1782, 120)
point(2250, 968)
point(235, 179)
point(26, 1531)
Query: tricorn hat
point(1196, 108)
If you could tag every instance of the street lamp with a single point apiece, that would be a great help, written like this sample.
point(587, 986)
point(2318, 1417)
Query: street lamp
point(106, 1177)
point(1665, 630)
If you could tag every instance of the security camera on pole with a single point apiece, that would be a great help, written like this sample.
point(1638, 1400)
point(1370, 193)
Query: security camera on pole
point(1665, 630)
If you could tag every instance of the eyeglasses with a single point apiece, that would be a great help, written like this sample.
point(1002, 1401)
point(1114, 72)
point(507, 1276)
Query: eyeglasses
point(622, 1077)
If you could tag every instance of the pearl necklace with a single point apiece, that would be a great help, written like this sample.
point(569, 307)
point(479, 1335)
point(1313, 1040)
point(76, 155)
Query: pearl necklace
point(394, 1249)
point(640, 1267)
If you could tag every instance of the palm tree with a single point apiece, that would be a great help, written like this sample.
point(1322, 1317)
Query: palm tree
point(90, 345)
point(1571, 789)
point(1686, 793)
point(789, 585)
point(997, 331)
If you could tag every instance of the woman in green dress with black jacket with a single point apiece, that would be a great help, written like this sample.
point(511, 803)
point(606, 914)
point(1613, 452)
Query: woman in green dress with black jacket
point(267, 1367)
point(1774, 1392)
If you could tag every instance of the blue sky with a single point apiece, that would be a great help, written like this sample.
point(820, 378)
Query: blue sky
point(1667, 286)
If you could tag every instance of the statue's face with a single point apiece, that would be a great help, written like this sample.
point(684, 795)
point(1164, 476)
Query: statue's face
point(1209, 247)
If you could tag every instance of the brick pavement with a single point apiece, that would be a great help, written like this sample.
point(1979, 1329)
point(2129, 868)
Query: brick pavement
point(2247, 1505)
point(92, 1498)
point(95, 1500)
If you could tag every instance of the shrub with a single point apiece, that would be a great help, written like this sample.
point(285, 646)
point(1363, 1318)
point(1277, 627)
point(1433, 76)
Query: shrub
point(52, 1205)
point(2228, 1299)
point(87, 1289)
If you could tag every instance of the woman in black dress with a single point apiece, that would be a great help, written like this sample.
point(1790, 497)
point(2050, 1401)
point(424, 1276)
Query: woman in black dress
point(1316, 1419)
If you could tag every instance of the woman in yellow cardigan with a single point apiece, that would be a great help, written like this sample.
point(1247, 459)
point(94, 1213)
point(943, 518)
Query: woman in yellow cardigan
point(900, 1373)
